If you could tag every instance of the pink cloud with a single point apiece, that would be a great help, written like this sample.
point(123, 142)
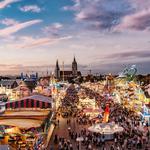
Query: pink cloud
point(53, 28)
point(8, 21)
point(137, 21)
point(44, 41)
point(15, 28)
point(5, 3)
point(31, 8)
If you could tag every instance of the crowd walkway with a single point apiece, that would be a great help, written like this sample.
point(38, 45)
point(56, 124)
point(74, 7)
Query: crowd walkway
point(62, 131)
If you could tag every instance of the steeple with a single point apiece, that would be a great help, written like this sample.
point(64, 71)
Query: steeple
point(57, 70)
point(57, 65)
point(74, 60)
point(74, 67)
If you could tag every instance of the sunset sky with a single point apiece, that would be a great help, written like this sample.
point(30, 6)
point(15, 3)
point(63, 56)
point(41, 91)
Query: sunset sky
point(104, 35)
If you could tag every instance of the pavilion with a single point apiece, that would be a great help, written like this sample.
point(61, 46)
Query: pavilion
point(34, 101)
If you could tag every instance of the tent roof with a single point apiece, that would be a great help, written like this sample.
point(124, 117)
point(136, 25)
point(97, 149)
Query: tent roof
point(38, 98)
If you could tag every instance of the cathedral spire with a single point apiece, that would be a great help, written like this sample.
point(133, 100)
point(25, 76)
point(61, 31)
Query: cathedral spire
point(74, 59)
point(57, 65)
point(57, 70)
point(74, 67)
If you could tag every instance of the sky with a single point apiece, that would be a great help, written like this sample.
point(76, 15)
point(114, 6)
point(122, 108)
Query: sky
point(104, 35)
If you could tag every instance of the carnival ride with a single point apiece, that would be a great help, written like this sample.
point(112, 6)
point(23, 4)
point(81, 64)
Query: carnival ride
point(106, 114)
point(109, 84)
point(130, 92)
point(106, 129)
point(128, 73)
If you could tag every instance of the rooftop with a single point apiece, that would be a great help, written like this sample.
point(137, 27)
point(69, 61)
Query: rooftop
point(36, 97)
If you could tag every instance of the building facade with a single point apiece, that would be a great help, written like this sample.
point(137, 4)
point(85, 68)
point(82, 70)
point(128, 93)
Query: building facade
point(66, 75)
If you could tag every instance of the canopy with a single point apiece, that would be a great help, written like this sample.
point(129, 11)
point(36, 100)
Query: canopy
point(35, 101)
point(20, 123)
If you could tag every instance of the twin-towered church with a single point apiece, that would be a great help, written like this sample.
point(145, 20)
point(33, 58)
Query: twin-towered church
point(60, 74)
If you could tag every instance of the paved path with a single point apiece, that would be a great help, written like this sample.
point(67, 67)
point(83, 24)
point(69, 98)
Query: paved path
point(62, 131)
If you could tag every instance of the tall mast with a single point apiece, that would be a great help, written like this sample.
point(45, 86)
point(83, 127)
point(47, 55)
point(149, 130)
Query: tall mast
point(63, 70)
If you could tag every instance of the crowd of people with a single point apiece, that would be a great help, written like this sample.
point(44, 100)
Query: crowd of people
point(63, 144)
point(135, 135)
point(69, 102)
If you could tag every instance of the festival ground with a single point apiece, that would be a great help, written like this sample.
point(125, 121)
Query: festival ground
point(73, 122)
point(62, 131)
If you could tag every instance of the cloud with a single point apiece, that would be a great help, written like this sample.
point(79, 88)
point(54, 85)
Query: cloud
point(44, 41)
point(117, 67)
point(30, 8)
point(8, 21)
point(16, 69)
point(5, 3)
point(131, 54)
point(112, 14)
point(15, 28)
point(53, 28)
point(103, 13)
point(136, 21)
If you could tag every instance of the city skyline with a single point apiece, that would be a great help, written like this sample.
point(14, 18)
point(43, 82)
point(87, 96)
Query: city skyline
point(105, 36)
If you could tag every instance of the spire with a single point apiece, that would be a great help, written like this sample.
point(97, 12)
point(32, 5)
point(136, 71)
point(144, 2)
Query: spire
point(57, 65)
point(74, 60)
point(74, 67)
point(57, 70)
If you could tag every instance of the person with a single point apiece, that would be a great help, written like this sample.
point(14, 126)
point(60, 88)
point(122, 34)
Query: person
point(78, 146)
point(55, 139)
point(71, 147)
point(89, 147)
point(115, 140)
point(103, 139)
point(148, 134)
point(118, 148)
point(112, 147)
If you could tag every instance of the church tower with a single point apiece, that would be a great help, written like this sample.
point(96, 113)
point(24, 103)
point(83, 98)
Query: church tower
point(74, 68)
point(57, 71)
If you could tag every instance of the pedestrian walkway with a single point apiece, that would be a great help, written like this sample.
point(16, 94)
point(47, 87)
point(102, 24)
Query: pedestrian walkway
point(61, 130)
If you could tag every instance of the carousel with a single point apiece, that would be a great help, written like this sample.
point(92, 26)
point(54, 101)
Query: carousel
point(106, 129)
